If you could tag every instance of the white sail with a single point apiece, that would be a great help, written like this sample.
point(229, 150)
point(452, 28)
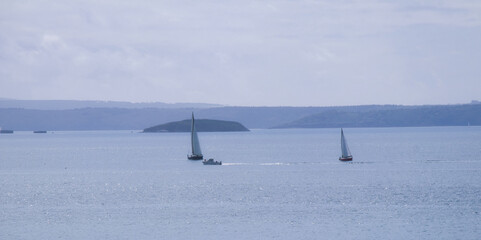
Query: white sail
point(344, 147)
point(195, 139)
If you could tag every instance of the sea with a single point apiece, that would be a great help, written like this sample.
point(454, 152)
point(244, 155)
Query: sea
point(404, 183)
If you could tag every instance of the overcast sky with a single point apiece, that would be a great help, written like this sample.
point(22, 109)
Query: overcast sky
point(249, 53)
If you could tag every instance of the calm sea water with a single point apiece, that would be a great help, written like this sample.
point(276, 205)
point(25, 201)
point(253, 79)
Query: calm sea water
point(404, 183)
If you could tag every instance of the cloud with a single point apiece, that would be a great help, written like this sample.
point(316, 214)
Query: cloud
point(240, 53)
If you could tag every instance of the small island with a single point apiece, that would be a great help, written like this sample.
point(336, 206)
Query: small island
point(201, 125)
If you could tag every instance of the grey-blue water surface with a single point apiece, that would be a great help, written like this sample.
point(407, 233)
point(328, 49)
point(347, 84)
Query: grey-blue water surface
point(404, 183)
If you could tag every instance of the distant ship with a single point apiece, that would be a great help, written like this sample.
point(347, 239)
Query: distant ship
point(345, 153)
point(194, 142)
point(6, 131)
point(211, 161)
point(40, 131)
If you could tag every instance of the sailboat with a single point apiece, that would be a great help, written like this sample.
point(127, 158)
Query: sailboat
point(194, 142)
point(346, 154)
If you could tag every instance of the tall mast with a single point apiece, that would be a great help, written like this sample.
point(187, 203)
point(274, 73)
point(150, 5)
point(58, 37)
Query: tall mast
point(192, 133)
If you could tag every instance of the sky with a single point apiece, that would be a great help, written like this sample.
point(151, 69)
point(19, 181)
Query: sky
point(242, 53)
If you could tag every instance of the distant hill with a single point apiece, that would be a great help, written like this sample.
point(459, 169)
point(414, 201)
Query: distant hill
point(268, 117)
point(20, 119)
point(443, 115)
point(201, 125)
point(87, 118)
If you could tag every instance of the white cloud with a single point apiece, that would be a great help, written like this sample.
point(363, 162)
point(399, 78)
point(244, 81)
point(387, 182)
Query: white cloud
point(239, 53)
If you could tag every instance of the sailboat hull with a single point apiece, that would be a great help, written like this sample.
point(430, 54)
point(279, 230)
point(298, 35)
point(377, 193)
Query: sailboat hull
point(345, 159)
point(195, 157)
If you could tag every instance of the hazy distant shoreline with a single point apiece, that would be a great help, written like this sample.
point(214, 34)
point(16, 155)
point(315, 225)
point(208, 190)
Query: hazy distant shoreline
point(114, 117)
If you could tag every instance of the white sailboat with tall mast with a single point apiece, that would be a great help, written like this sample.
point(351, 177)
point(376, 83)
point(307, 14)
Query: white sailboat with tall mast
point(345, 153)
point(194, 143)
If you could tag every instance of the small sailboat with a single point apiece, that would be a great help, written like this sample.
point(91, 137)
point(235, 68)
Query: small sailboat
point(346, 154)
point(194, 142)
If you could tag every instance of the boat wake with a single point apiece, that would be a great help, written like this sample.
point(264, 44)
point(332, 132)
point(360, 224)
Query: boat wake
point(291, 163)
point(265, 164)
point(236, 164)
point(451, 161)
point(359, 162)
point(258, 164)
